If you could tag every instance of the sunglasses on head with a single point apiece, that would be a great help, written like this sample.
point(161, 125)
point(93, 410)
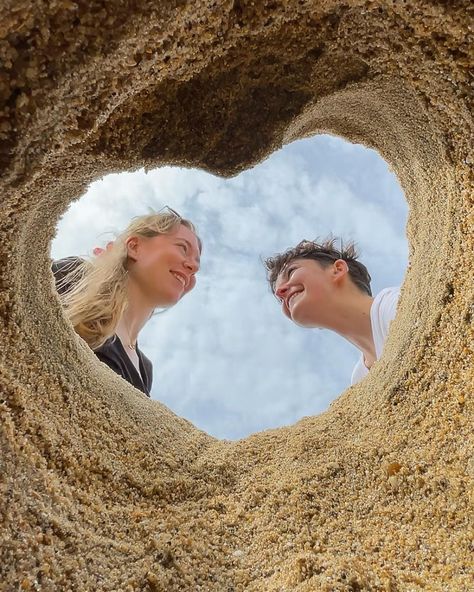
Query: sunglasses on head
point(168, 210)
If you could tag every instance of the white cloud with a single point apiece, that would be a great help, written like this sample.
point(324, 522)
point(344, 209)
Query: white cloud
point(225, 357)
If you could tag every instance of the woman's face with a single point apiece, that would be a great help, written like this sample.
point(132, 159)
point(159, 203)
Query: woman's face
point(305, 289)
point(164, 266)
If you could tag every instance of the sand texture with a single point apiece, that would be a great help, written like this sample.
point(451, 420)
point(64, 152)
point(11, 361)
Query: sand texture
point(104, 489)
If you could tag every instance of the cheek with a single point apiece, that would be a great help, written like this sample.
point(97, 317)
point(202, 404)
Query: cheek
point(151, 268)
point(313, 295)
point(312, 284)
point(156, 260)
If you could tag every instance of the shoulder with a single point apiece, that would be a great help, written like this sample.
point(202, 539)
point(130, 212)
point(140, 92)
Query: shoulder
point(109, 347)
point(387, 301)
point(66, 264)
point(147, 375)
point(391, 292)
point(147, 363)
point(63, 271)
point(110, 354)
point(382, 313)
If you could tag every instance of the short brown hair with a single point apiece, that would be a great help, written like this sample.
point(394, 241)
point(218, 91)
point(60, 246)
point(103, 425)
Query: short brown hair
point(325, 253)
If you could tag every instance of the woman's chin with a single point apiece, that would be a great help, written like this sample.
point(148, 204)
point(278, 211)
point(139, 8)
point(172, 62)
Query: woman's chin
point(166, 300)
point(300, 317)
point(173, 298)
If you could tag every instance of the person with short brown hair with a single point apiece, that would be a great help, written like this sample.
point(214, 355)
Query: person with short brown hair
point(323, 287)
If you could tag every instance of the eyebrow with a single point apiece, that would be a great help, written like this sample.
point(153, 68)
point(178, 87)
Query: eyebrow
point(285, 269)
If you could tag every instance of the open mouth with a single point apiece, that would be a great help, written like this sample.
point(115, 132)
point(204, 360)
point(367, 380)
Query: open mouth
point(291, 300)
point(180, 277)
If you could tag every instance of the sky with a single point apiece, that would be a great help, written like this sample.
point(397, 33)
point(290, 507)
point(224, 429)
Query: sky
point(225, 357)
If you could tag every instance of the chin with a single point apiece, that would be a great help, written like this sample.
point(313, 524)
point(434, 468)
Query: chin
point(301, 319)
point(172, 300)
point(304, 324)
point(166, 300)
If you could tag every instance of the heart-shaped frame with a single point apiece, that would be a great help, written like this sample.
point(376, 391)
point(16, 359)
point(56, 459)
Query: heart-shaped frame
point(104, 489)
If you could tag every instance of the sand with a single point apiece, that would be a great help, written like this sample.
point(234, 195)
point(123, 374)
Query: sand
point(104, 489)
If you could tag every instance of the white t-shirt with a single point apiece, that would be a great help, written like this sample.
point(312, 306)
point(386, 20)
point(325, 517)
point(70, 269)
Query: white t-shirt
point(382, 312)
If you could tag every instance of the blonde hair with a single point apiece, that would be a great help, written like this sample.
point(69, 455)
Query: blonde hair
point(96, 295)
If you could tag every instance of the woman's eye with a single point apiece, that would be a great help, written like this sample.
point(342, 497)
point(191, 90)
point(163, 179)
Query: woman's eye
point(184, 247)
point(290, 271)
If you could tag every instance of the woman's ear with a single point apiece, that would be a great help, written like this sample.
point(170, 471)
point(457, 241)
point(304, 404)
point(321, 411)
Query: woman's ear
point(340, 267)
point(132, 245)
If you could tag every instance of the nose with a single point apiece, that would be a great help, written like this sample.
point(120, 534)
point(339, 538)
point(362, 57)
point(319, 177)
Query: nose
point(281, 291)
point(191, 265)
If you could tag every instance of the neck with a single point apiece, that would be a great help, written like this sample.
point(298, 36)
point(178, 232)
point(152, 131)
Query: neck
point(135, 316)
point(350, 318)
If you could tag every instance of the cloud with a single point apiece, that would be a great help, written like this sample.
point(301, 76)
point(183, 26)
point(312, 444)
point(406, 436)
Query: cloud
point(225, 357)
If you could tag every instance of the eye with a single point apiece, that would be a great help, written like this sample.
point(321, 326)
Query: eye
point(184, 246)
point(290, 271)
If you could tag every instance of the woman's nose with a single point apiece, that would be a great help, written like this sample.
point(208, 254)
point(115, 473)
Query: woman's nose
point(192, 265)
point(281, 291)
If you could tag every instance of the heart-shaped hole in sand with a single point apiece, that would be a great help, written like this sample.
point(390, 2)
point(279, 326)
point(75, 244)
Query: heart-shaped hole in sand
point(104, 489)
point(231, 323)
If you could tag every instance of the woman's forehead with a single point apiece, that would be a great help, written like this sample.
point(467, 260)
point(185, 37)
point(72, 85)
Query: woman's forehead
point(184, 232)
point(297, 262)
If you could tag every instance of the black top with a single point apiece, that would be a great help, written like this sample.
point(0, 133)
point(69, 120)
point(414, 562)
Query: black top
point(114, 355)
point(112, 351)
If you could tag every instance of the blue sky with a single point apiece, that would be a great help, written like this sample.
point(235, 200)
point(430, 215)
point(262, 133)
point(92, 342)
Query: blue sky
point(225, 357)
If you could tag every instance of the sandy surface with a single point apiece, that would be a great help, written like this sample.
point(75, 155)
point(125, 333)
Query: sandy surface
point(103, 489)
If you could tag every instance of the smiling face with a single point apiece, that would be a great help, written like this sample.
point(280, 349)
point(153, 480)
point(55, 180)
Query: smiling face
point(164, 266)
point(305, 289)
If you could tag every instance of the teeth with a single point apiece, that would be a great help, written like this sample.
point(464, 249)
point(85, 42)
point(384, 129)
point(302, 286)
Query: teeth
point(178, 277)
point(291, 298)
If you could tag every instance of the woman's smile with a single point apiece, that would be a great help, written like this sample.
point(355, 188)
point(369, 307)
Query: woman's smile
point(181, 277)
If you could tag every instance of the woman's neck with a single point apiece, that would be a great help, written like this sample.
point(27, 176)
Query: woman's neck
point(353, 322)
point(134, 318)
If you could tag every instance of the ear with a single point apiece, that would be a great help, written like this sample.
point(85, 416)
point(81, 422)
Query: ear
point(132, 245)
point(340, 268)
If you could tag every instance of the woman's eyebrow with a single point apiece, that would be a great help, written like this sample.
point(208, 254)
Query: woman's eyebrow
point(285, 269)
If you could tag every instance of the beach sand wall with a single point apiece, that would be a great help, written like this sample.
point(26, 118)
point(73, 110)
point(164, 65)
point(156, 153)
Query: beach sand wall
point(104, 489)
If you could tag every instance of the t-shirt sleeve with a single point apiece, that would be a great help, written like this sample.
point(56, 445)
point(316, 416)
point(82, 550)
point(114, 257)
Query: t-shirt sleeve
point(388, 309)
point(359, 372)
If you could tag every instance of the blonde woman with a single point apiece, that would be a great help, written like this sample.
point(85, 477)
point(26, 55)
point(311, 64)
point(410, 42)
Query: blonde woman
point(109, 298)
